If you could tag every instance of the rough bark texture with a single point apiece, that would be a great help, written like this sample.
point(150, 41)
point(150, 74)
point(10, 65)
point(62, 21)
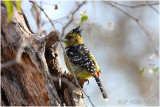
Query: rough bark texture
point(30, 69)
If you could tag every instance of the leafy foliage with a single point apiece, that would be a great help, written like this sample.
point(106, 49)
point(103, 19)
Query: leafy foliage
point(18, 3)
point(84, 17)
point(142, 70)
point(150, 70)
point(9, 5)
point(156, 69)
point(34, 8)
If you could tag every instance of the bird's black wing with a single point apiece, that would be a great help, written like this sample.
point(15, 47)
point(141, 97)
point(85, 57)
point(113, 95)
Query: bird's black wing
point(80, 55)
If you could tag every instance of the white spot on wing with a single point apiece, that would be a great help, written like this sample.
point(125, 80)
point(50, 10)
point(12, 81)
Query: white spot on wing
point(71, 53)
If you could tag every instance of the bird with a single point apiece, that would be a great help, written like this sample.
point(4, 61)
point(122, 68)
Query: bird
point(79, 59)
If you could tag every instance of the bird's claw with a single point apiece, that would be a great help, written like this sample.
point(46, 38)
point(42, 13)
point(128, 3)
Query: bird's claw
point(87, 81)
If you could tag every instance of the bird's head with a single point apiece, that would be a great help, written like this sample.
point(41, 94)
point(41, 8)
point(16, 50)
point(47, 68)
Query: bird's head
point(73, 38)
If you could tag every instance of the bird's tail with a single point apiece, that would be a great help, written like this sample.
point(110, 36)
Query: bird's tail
point(103, 91)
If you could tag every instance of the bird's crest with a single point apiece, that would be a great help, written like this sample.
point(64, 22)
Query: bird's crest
point(77, 30)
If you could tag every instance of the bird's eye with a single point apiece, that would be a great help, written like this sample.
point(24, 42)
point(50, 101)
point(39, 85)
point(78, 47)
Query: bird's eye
point(69, 37)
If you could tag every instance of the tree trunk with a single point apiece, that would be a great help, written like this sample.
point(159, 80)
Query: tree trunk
point(30, 69)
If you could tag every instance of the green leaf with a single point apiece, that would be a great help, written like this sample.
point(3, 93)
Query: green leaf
point(84, 17)
point(18, 3)
point(142, 70)
point(156, 69)
point(9, 5)
point(34, 8)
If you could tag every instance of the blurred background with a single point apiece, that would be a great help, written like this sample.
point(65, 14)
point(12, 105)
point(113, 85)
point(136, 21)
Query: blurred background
point(126, 56)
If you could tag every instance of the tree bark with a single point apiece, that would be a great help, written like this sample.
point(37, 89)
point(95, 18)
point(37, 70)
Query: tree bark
point(30, 69)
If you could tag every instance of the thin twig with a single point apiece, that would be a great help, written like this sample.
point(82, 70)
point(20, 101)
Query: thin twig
point(51, 3)
point(8, 63)
point(62, 34)
point(69, 64)
point(136, 6)
point(70, 85)
point(44, 13)
point(139, 23)
point(76, 81)
point(72, 16)
point(17, 59)
point(152, 7)
point(72, 13)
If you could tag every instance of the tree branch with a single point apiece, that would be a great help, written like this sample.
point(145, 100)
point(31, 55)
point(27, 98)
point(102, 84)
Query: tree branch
point(136, 6)
point(72, 13)
point(138, 22)
point(43, 12)
point(152, 7)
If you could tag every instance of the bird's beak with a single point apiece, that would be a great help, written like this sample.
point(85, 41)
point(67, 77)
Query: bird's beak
point(64, 40)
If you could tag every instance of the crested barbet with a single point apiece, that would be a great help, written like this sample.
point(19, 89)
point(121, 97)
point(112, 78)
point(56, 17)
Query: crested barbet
point(81, 59)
